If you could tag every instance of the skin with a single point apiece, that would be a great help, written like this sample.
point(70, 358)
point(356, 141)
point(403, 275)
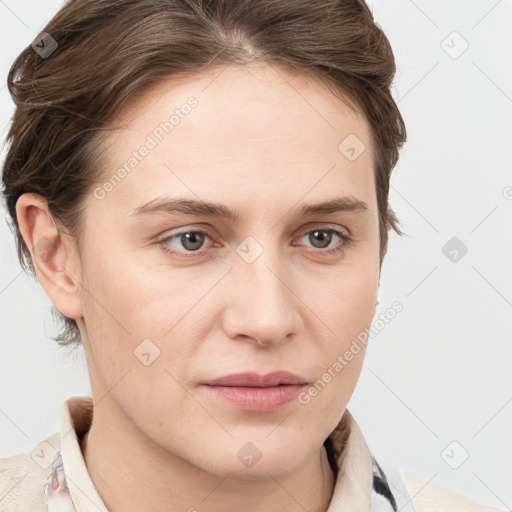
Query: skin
point(264, 141)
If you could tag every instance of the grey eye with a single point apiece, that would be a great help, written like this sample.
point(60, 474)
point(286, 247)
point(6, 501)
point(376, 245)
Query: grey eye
point(320, 238)
point(190, 240)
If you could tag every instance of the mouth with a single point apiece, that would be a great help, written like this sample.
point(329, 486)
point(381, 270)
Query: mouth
point(256, 393)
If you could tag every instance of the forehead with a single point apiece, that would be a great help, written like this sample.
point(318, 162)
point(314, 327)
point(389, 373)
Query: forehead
point(255, 123)
point(256, 96)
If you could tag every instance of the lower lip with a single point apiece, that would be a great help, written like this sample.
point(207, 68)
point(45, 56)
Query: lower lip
point(257, 399)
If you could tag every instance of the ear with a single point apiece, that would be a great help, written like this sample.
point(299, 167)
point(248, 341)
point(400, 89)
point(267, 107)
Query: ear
point(54, 255)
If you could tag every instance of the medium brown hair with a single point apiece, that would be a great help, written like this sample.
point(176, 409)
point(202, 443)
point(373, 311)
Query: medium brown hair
point(109, 50)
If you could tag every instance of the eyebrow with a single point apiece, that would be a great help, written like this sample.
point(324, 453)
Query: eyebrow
point(169, 205)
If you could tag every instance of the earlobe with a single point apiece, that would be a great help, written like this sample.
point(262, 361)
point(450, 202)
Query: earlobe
point(52, 257)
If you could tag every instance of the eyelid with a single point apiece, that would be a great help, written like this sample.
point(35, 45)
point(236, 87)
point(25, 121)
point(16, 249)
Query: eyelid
point(319, 226)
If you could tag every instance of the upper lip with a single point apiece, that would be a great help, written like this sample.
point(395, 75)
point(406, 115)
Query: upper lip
point(256, 380)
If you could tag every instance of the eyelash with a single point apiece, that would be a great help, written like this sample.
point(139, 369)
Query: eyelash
point(345, 238)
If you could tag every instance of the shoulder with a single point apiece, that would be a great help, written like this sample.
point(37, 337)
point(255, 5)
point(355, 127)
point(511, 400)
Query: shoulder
point(24, 476)
point(429, 496)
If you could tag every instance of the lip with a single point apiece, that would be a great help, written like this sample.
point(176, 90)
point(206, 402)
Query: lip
point(256, 393)
point(251, 379)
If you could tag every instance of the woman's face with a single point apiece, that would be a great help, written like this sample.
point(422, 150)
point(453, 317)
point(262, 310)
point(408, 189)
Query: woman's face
point(270, 290)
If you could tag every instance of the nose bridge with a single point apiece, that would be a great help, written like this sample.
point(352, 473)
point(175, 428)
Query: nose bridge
point(264, 301)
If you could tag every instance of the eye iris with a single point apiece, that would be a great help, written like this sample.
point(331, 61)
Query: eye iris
point(194, 237)
point(321, 234)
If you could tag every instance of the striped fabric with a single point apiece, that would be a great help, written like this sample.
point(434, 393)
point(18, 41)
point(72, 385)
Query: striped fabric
point(382, 497)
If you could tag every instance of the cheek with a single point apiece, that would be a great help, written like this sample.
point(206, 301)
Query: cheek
point(346, 312)
point(346, 303)
point(120, 290)
point(345, 298)
point(131, 310)
point(113, 316)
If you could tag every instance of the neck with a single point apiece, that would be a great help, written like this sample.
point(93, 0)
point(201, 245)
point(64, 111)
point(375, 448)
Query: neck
point(131, 473)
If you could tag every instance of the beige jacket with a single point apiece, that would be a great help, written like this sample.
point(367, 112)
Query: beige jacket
point(359, 483)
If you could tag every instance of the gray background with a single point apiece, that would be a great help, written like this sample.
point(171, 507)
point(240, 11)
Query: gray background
point(436, 376)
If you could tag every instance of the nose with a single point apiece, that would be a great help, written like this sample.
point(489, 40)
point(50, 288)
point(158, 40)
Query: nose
point(262, 306)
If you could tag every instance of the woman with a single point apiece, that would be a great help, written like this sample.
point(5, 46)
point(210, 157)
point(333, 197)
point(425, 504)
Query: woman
point(201, 188)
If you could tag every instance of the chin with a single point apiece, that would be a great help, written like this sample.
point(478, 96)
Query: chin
point(249, 462)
